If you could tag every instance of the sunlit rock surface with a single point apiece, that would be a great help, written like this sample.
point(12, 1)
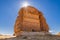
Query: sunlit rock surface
point(29, 19)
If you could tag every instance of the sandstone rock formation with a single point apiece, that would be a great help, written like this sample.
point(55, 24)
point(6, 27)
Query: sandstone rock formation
point(29, 19)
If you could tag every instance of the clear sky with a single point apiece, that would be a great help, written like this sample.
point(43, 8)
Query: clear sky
point(9, 11)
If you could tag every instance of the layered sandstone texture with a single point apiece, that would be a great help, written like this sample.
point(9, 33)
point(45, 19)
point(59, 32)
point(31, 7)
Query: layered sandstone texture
point(29, 19)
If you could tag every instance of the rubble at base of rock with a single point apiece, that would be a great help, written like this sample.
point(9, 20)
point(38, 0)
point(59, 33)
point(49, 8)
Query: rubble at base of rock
point(35, 36)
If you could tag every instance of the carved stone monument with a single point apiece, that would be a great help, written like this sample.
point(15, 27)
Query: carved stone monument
point(29, 19)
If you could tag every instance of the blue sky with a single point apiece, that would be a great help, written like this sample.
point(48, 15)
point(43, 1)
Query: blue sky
point(9, 11)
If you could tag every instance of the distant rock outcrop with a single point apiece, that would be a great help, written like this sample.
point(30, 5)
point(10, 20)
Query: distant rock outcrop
point(0, 34)
point(31, 20)
point(58, 34)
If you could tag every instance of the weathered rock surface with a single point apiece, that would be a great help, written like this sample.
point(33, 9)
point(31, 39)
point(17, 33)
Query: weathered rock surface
point(31, 20)
point(35, 36)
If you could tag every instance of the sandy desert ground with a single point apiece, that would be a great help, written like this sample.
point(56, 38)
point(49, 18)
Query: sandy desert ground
point(5, 36)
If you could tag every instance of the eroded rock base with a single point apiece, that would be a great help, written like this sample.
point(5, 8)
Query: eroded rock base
point(35, 36)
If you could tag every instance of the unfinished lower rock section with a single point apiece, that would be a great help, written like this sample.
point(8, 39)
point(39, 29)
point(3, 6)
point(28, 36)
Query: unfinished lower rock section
point(35, 36)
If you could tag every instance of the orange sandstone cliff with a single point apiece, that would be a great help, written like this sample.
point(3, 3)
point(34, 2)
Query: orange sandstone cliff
point(29, 19)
